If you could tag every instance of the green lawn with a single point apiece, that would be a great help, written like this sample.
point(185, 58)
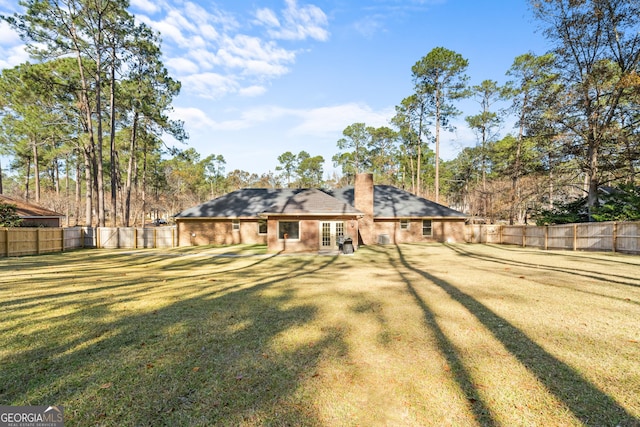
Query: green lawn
point(458, 335)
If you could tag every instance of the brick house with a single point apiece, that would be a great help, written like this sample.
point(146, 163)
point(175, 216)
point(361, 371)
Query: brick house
point(310, 220)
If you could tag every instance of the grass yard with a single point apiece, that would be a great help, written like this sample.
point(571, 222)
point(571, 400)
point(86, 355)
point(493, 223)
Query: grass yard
point(413, 335)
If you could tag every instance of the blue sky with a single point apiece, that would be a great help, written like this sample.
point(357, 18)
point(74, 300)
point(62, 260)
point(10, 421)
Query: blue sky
point(260, 78)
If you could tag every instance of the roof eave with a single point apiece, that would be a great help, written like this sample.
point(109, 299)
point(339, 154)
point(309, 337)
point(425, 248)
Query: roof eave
point(420, 217)
point(314, 214)
point(177, 218)
point(41, 216)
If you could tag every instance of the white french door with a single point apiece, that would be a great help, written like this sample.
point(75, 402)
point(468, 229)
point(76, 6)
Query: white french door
point(330, 232)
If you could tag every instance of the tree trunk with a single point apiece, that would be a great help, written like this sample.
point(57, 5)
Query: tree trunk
point(516, 171)
point(112, 137)
point(630, 179)
point(419, 168)
point(67, 191)
point(437, 177)
point(88, 185)
point(56, 172)
point(85, 107)
point(26, 179)
point(36, 172)
point(592, 177)
point(99, 156)
point(551, 177)
point(78, 194)
point(144, 182)
point(132, 156)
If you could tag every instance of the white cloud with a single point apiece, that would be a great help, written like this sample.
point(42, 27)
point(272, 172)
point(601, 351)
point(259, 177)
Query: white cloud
point(209, 85)
point(254, 56)
point(252, 91)
point(192, 117)
point(213, 54)
point(182, 65)
point(204, 58)
point(209, 32)
point(196, 119)
point(180, 29)
point(145, 5)
point(299, 23)
point(320, 122)
point(334, 119)
point(12, 49)
point(168, 31)
point(190, 27)
point(8, 35)
point(266, 113)
point(12, 56)
point(369, 25)
point(267, 17)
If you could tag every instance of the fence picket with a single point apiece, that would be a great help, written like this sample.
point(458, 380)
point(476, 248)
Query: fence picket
point(594, 236)
point(606, 236)
point(33, 241)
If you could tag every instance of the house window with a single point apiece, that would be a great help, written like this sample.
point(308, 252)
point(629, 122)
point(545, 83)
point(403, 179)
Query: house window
point(427, 230)
point(290, 228)
point(235, 224)
point(262, 226)
point(404, 224)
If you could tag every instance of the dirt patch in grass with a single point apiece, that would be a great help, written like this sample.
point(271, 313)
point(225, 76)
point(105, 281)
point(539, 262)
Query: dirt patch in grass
point(394, 335)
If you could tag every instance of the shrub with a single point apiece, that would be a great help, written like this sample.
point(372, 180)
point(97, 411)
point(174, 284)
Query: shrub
point(8, 215)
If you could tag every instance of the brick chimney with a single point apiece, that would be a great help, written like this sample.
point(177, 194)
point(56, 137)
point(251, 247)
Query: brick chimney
point(363, 195)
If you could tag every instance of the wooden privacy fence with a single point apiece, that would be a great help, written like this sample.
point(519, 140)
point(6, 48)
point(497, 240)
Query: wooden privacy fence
point(132, 237)
point(33, 241)
point(592, 236)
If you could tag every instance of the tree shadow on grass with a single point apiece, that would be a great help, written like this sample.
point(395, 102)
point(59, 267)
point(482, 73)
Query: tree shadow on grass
point(620, 257)
point(106, 266)
point(617, 279)
point(209, 358)
point(480, 410)
point(587, 403)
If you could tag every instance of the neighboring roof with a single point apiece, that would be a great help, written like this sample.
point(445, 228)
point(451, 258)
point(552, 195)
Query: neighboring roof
point(392, 202)
point(312, 202)
point(29, 210)
point(389, 202)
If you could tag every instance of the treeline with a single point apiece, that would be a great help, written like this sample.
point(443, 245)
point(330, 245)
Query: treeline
point(85, 124)
point(576, 114)
point(93, 107)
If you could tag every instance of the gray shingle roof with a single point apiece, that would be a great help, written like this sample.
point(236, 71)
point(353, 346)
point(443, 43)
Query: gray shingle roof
point(392, 202)
point(247, 202)
point(315, 202)
point(389, 202)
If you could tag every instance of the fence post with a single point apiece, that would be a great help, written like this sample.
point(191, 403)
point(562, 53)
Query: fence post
point(38, 241)
point(546, 237)
point(524, 236)
point(6, 230)
point(62, 236)
point(615, 236)
point(575, 237)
